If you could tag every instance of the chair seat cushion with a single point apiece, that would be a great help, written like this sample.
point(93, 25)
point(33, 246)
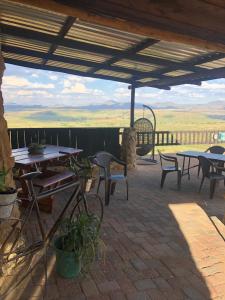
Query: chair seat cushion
point(171, 168)
point(115, 177)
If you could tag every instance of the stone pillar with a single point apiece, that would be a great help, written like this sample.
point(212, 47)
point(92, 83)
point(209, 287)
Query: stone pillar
point(6, 160)
point(128, 149)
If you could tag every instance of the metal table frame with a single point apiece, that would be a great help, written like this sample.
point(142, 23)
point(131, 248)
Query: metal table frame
point(195, 155)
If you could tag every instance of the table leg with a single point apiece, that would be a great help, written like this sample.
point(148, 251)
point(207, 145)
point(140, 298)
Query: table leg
point(189, 161)
point(183, 166)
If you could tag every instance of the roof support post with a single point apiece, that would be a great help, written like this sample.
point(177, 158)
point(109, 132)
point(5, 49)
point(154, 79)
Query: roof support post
point(132, 104)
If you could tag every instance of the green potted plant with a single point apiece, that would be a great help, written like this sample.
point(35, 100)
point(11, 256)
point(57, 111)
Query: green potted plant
point(7, 195)
point(84, 170)
point(76, 244)
point(36, 148)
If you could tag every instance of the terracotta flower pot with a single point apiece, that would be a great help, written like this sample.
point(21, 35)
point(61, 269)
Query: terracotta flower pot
point(7, 200)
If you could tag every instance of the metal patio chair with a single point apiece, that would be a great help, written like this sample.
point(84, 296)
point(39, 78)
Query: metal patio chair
point(214, 150)
point(103, 160)
point(169, 168)
point(210, 171)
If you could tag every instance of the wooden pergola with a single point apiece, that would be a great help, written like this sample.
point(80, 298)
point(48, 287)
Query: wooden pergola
point(142, 43)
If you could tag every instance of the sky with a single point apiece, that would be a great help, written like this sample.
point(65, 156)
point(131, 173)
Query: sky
point(27, 86)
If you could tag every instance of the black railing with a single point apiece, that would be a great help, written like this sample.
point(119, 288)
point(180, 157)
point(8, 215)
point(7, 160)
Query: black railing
point(92, 140)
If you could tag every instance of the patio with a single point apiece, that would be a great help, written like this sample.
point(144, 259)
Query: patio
point(159, 245)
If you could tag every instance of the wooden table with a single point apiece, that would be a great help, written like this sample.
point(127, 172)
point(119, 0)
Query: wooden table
point(24, 160)
point(196, 154)
point(26, 163)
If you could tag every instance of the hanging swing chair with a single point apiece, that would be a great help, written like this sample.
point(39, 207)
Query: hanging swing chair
point(145, 131)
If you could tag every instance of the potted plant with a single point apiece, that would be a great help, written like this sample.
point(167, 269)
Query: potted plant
point(76, 245)
point(35, 148)
point(7, 196)
point(84, 170)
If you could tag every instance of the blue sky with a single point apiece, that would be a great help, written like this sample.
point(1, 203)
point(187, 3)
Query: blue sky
point(29, 86)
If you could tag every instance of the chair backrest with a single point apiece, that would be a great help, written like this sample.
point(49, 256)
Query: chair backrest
point(103, 159)
point(216, 149)
point(168, 158)
point(205, 164)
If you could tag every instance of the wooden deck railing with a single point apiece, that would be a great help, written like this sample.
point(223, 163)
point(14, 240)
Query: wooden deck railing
point(92, 140)
point(188, 137)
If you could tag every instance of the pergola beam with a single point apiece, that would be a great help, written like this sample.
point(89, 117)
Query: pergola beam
point(190, 78)
point(59, 58)
point(64, 70)
point(64, 30)
point(132, 106)
point(128, 53)
point(47, 38)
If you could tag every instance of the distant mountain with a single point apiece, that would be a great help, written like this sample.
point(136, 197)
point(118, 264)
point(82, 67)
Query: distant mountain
point(114, 105)
point(18, 107)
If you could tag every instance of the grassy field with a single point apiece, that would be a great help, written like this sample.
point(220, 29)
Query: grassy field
point(166, 119)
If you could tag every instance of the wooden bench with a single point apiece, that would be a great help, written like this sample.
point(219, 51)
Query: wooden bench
point(48, 183)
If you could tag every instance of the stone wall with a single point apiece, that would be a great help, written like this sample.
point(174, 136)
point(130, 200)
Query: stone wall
point(6, 160)
point(128, 149)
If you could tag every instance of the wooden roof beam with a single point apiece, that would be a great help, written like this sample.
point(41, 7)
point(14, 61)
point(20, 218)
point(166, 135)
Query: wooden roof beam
point(47, 38)
point(62, 33)
point(189, 78)
point(63, 70)
point(128, 53)
point(59, 58)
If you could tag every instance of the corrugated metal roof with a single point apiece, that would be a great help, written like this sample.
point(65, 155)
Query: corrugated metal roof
point(103, 36)
point(173, 51)
point(63, 65)
point(24, 43)
point(135, 65)
point(24, 16)
point(177, 73)
point(219, 63)
point(39, 38)
point(84, 55)
point(21, 57)
point(113, 74)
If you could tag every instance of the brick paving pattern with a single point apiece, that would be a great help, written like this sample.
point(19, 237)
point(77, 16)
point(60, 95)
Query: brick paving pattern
point(161, 244)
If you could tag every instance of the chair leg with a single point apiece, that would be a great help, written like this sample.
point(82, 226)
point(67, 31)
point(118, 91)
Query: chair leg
point(212, 188)
point(163, 178)
point(203, 178)
point(199, 168)
point(127, 188)
point(179, 180)
point(107, 192)
point(112, 188)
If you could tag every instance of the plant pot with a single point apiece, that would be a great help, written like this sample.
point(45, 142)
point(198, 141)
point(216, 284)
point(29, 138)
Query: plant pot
point(68, 265)
point(36, 151)
point(7, 201)
point(89, 184)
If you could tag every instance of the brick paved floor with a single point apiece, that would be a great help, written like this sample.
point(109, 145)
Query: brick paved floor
point(161, 244)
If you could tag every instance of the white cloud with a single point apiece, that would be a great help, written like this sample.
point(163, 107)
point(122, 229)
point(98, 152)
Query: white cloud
point(75, 88)
point(16, 81)
point(80, 79)
point(213, 86)
point(35, 75)
point(42, 86)
point(53, 77)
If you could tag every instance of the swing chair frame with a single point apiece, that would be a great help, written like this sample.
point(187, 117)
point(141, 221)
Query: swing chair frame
point(143, 149)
